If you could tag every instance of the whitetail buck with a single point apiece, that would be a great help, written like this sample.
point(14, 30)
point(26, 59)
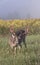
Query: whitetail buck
point(13, 40)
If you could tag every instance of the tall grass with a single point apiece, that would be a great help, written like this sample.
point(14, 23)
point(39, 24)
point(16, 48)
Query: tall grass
point(27, 56)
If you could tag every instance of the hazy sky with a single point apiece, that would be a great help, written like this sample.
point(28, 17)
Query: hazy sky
point(19, 9)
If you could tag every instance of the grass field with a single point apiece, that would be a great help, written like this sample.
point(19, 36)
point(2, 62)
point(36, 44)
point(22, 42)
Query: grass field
point(27, 56)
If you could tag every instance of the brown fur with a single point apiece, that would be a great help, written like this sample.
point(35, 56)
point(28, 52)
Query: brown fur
point(13, 44)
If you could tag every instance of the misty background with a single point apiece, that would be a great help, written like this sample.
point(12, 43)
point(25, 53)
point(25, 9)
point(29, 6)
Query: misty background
point(19, 9)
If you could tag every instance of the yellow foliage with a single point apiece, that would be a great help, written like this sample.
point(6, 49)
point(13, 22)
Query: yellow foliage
point(19, 23)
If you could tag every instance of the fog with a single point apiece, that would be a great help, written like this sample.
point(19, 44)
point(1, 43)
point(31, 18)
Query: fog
point(19, 9)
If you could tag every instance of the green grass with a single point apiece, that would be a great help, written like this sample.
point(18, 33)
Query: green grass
point(27, 56)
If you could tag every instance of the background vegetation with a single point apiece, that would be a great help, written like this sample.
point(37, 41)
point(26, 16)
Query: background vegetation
point(34, 25)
